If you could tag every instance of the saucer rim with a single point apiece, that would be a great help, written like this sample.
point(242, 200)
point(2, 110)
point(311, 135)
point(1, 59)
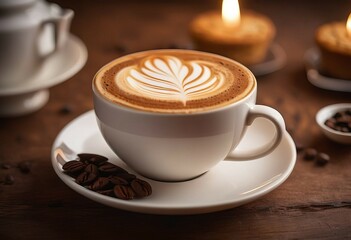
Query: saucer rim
point(271, 65)
point(317, 79)
point(56, 79)
point(141, 207)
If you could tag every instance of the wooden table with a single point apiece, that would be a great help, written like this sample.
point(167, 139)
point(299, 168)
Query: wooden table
point(315, 202)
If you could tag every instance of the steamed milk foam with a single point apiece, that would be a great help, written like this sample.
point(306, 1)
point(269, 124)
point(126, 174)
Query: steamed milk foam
point(180, 81)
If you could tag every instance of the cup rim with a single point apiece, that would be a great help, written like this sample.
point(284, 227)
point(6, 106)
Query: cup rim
point(204, 112)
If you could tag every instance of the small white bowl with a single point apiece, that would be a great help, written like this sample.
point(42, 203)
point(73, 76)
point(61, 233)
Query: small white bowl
point(326, 113)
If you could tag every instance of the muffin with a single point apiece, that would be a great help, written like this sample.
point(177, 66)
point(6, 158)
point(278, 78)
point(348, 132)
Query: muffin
point(248, 43)
point(334, 44)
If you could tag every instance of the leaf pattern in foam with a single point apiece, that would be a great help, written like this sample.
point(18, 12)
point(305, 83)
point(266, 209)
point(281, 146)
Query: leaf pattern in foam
point(169, 77)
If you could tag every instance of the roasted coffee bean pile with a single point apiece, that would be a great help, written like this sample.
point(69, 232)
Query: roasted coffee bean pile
point(311, 154)
point(97, 174)
point(340, 121)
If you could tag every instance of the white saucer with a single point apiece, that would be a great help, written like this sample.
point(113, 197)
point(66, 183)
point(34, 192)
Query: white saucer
point(227, 185)
point(275, 60)
point(317, 79)
point(33, 94)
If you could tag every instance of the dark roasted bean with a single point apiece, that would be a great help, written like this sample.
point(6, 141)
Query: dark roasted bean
point(337, 115)
point(24, 167)
point(299, 147)
point(73, 167)
point(109, 168)
point(322, 159)
point(127, 176)
point(124, 192)
point(330, 123)
point(91, 168)
point(141, 188)
point(108, 192)
point(85, 178)
point(310, 154)
point(66, 109)
point(117, 180)
point(101, 183)
point(5, 165)
point(92, 158)
point(9, 179)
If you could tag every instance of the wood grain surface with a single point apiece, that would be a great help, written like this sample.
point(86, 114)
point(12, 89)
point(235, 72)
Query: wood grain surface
point(314, 203)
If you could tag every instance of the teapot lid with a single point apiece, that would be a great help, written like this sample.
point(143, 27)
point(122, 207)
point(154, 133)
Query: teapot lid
point(7, 4)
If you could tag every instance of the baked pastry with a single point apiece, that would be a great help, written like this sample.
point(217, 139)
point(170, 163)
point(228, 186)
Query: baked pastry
point(334, 44)
point(248, 43)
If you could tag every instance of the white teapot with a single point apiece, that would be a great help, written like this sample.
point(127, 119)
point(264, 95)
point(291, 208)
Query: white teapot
point(30, 31)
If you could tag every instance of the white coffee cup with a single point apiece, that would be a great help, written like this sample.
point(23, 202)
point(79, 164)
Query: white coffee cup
point(30, 31)
point(179, 146)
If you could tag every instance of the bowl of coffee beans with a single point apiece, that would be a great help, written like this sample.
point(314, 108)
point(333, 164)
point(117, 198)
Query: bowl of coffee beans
point(335, 122)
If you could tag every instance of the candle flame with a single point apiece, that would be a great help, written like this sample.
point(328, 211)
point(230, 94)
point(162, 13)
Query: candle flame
point(231, 13)
point(348, 26)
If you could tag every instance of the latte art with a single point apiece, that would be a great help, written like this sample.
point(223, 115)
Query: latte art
point(170, 78)
point(173, 81)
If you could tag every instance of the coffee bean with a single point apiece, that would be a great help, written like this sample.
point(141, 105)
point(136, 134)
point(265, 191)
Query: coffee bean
point(310, 154)
point(24, 167)
point(92, 158)
point(5, 166)
point(66, 109)
point(141, 188)
point(322, 159)
point(345, 130)
point(73, 167)
point(101, 183)
point(91, 168)
point(337, 115)
point(124, 192)
point(127, 176)
point(117, 180)
point(330, 123)
point(108, 192)
point(299, 147)
point(85, 178)
point(9, 179)
point(109, 168)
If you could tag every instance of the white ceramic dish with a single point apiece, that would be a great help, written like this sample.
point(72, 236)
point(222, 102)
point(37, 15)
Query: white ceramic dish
point(227, 185)
point(275, 60)
point(317, 79)
point(327, 112)
point(33, 94)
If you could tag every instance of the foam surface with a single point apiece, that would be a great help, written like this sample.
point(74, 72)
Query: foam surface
point(173, 81)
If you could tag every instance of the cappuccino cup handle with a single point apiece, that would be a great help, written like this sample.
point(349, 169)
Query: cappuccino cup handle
point(60, 24)
point(276, 118)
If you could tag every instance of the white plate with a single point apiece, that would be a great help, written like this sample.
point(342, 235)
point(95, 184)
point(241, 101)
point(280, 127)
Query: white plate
point(275, 60)
point(312, 57)
point(227, 185)
point(33, 93)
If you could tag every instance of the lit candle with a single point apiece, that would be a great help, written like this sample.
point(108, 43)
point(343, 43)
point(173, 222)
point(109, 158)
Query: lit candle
point(348, 26)
point(334, 42)
point(231, 13)
point(244, 37)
